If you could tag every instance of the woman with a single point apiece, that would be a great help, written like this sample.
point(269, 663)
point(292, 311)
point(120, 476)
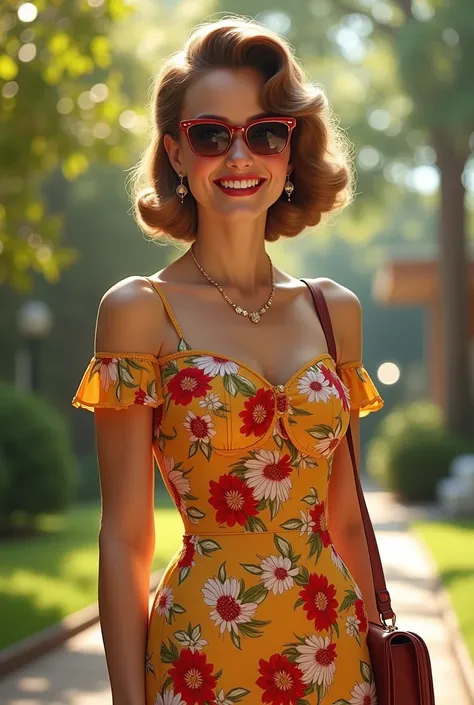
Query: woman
point(225, 376)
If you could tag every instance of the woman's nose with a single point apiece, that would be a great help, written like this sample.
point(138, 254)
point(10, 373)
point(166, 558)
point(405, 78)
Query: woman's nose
point(238, 150)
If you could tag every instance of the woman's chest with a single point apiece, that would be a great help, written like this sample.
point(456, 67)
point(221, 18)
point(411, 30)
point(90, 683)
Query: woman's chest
point(220, 404)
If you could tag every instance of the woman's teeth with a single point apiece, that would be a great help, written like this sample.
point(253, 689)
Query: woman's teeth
point(240, 184)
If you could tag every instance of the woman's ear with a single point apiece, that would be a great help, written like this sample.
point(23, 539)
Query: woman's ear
point(173, 151)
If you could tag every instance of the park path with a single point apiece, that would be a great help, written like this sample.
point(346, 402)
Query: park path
point(75, 674)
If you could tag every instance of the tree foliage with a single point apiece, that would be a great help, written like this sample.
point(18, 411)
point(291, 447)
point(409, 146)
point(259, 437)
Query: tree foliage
point(62, 105)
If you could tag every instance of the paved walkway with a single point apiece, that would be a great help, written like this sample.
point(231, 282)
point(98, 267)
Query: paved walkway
point(76, 674)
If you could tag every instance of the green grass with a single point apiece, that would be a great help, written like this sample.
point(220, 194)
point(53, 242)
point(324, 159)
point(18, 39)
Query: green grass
point(45, 578)
point(452, 545)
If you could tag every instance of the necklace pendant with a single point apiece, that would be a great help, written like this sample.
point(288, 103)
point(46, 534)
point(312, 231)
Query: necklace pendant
point(255, 316)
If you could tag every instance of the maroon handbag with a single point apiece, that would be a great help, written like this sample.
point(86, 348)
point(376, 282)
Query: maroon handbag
point(400, 659)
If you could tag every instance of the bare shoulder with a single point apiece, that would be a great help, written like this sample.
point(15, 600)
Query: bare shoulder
point(346, 315)
point(129, 317)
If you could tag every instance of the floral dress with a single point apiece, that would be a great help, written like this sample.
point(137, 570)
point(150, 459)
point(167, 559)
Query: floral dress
point(257, 605)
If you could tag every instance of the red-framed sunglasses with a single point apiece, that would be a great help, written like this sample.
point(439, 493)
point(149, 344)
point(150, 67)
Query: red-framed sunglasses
point(208, 137)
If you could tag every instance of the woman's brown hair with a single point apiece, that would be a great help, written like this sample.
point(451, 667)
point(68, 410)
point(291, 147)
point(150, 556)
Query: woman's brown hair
point(320, 151)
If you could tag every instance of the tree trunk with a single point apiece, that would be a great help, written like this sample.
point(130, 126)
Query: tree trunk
point(453, 289)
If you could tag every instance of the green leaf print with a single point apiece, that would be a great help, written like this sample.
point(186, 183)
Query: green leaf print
point(182, 345)
point(282, 545)
point(298, 602)
point(320, 431)
point(255, 524)
point(230, 386)
point(206, 449)
point(193, 449)
point(252, 568)
point(348, 601)
point(341, 701)
point(222, 575)
point(209, 546)
point(168, 654)
point(235, 640)
point(169, 370)
point(292, 524)
point(244, 385)
point(194, 514)
point(236, 694)
point(366, 671)
point(256, 593)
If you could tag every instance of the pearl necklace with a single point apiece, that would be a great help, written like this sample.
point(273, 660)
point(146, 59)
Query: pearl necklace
point(254, 316)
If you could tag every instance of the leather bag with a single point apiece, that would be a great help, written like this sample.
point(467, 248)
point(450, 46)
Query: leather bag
point(400, 659)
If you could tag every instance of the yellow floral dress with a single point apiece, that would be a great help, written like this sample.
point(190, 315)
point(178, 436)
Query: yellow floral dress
point(257, 605)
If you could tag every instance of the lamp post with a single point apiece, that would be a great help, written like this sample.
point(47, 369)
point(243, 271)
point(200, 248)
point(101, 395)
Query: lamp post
point(34, 321)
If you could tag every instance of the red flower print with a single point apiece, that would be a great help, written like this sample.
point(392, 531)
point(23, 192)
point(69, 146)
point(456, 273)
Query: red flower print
point(318, 515)
point(192, 677)
point(157, 419)
point(281, 681)
point(342, 392)
point(234, 501)
point(258, 413)
point(280, 430)
point(187, 553)
point(188, 384)
point(326, 373)
point(140, 395)
point(319, 601)
point(361, 615)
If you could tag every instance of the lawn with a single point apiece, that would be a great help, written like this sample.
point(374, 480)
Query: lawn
point(452, 545)
point(44, 579)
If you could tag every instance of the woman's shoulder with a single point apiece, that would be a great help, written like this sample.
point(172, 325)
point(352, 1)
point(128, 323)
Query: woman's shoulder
point(125, 314)
point(345, 311)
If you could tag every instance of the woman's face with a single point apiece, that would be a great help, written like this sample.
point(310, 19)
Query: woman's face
point(232, 95)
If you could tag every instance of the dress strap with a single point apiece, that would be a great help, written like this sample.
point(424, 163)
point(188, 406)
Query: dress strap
point(168, 308)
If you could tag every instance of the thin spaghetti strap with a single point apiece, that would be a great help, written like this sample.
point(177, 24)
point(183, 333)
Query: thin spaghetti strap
point(168, 308)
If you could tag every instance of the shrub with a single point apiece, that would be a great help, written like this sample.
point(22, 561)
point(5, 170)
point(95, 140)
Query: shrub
point(412, 451)
point(38, 468)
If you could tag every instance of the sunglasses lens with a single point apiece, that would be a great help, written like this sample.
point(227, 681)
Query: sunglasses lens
point(209, 140)
point(268, 137)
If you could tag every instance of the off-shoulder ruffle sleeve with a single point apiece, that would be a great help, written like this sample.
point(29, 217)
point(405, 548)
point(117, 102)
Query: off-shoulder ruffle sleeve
point(117, 380)
point(363, 392)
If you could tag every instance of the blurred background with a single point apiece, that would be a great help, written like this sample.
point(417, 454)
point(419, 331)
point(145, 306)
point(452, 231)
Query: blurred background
point(75, 82)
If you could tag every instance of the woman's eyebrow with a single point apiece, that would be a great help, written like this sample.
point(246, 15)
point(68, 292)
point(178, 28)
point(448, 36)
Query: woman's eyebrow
point(224, 119)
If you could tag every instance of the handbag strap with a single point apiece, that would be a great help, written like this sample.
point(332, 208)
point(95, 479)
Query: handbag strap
point(382, 595)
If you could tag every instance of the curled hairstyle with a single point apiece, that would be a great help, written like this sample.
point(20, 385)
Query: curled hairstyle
point(320, 150)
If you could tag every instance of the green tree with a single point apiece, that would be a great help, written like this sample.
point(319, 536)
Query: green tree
point(62, 107)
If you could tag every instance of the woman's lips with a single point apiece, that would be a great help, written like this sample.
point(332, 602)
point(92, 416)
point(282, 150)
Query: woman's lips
point(240, 191)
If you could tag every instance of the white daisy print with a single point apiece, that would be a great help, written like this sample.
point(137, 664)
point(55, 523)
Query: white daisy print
point(200, 428)
point(352, 625)
point(169, 697)
point(269, 475)
point(327, 446)
point(337, 560)
point(228, 610)
point(363, 694)
point(307, 524)
point(164, 601)
point(305, 460)
point(180, 484)
point(211, 402)
point(317, 657)
point(213, 365)
point(108, 372)
point(315, 386)
point(221, 698)
point(277, 574)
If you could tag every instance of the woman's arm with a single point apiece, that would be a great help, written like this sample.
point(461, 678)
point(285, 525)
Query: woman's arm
point(345, 519)
point(127, 534)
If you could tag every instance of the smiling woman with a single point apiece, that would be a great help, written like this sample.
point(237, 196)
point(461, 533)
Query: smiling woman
point(245, 414)
point(321, 169)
